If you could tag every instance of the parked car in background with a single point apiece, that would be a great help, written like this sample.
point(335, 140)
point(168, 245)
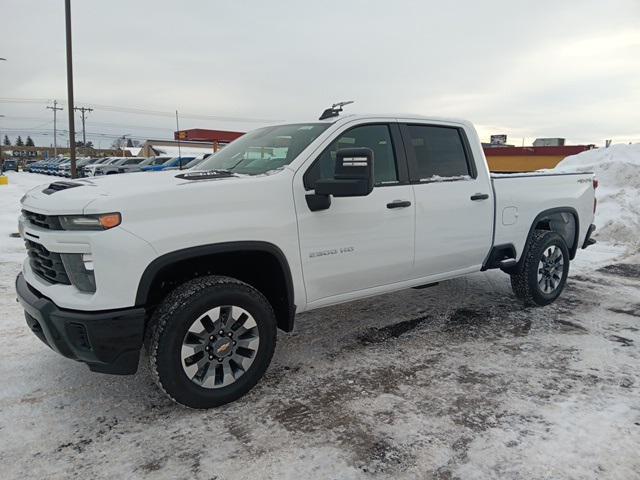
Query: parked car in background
point(26, 167)
point(171, 164)
point(33, 165)
point(90, 170)
point(10, 164)
point(52, 166)
point(80, 164)
point(197, 161)
point(122, 165)
point(59, 168)
point(148, 162)
point(38, 166)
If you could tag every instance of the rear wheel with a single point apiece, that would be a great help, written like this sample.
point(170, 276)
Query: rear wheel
point(212, 339)
point(543, 274)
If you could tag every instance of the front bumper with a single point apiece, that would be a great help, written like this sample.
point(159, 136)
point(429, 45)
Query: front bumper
point(107, 341)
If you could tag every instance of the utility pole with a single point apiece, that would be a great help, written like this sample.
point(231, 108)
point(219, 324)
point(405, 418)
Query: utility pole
point(55, 109)
point(72, 127)
point(1, 141)
point(179, 151)
point(83, 111)
point(124, 144)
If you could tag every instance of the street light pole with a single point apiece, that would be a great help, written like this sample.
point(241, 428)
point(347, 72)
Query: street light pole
point(72, 127)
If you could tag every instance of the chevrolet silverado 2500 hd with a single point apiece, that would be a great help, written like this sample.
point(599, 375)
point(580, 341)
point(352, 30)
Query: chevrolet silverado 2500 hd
point(202, 267)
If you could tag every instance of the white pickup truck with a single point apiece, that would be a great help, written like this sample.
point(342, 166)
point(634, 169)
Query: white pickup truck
point(202, 267)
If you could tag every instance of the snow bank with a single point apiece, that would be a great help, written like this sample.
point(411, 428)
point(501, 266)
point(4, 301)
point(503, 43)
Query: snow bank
point(617, 169)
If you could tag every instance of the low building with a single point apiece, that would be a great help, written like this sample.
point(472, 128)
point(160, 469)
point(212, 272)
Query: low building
point(204, 135)
point(549, 142)
point(27, 154)
point(175, 148)
point(528, 159)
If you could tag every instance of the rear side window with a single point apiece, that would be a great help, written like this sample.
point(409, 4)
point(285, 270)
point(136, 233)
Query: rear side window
point(439, 152)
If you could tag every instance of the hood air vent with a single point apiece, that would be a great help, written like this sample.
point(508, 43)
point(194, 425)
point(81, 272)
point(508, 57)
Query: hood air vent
point(57, 186)
point(206, 174)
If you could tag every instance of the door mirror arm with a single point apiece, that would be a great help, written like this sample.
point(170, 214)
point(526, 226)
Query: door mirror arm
point(317, 202)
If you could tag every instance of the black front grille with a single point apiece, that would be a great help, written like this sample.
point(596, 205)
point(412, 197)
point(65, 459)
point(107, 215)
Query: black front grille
point(47, 265)
point(43, 221)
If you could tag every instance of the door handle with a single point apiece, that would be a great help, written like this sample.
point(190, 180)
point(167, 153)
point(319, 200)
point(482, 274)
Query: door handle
point(399, 204)
point(480, 196)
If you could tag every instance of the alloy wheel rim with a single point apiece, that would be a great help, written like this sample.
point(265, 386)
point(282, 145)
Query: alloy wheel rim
point(220, 346)
point(550, 269)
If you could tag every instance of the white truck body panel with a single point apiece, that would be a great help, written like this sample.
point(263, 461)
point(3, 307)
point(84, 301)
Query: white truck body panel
point(520, 198)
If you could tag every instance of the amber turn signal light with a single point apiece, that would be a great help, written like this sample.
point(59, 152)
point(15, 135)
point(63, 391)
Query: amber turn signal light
point(110, 220)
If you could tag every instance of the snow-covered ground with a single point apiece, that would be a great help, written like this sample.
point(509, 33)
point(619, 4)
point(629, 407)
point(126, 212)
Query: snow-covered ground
point(454, 381)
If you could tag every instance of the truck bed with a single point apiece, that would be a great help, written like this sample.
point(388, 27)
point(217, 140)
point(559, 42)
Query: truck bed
point(522, 199)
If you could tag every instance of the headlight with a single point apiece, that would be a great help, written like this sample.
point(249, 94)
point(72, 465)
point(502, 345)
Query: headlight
point(90, 222)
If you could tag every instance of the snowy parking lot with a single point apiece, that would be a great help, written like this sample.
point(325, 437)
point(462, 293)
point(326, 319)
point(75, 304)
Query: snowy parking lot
point(454, 381)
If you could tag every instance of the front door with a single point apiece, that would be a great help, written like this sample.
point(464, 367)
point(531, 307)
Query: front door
point(358, 242)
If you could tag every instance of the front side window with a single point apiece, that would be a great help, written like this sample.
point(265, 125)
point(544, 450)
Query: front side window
point(375, 137)
point(439, 152)
point(265, 149)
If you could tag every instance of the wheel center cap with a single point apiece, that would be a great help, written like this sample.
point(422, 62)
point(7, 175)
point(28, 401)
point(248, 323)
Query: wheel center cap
point(222, 347)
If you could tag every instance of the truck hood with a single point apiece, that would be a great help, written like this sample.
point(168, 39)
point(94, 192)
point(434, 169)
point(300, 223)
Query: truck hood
point(74, 196)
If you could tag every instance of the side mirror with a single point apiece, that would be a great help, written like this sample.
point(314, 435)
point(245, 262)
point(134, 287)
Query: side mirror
point(353, 175)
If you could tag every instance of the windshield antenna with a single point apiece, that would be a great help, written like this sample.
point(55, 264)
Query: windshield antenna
point(335, 110)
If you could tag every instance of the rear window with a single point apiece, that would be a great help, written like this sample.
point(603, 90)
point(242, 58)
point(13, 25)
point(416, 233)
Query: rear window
point(439, 152)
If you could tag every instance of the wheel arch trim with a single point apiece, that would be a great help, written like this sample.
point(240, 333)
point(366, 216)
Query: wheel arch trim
point(168, 259)
point(551, 211)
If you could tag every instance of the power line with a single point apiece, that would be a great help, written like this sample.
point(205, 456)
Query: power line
point(66, 132)
point(146, 111)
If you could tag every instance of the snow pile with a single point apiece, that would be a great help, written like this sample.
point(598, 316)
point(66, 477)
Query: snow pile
point(617, 169)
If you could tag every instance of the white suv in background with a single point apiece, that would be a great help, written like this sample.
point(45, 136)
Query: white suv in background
point(90, 170)
point(122, 165)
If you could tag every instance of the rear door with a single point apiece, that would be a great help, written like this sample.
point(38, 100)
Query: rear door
point(454, 201)
point(357, 243)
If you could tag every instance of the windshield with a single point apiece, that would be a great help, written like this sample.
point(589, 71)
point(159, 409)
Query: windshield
point(265, 149)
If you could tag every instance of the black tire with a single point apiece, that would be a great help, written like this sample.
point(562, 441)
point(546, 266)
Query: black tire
point(178, 312)
point(525, 282)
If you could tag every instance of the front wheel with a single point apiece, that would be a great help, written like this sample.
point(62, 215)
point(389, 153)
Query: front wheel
point(543, 274)
point(211, 341)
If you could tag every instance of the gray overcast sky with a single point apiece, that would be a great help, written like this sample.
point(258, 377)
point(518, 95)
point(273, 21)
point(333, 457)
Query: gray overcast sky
point(566, 68)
